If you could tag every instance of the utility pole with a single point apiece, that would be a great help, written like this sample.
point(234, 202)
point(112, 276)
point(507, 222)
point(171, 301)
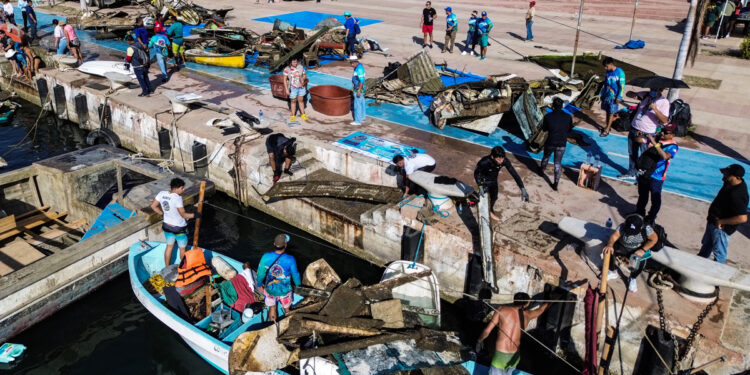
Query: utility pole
point(682, 53)
point(578, 35)
point(632, 26)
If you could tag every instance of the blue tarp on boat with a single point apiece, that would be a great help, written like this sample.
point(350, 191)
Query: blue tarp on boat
point(112, 215)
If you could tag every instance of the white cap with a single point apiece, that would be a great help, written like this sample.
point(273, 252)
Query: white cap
point(353, 58)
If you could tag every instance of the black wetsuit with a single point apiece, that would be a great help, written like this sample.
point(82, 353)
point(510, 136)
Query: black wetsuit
point(486, 172)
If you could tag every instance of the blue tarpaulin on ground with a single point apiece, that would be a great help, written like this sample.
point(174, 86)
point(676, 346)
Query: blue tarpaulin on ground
point(632, 44)
point(374, 147)
point(308, 20)
point(462, 77)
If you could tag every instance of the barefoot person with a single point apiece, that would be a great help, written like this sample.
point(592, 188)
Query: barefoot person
point(169, 204)
point(509, 320)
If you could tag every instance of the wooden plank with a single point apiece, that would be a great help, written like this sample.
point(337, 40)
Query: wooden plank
point(7, 223)
point(16, 255)
point(355, 344)
point(32, 223)
point(32, 212)
point(52, 235)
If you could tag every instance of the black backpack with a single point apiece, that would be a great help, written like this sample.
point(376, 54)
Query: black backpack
point(659, 230)
point(140, 56)
point(648, 160)
point(623, 120)
point(680, 115)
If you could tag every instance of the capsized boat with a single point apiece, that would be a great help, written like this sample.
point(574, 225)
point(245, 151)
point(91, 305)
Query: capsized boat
point(230, 60)
point(101, 68)
point(145, 260)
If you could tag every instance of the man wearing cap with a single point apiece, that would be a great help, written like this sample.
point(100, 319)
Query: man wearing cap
point(426, 22)
point(471, 34)
point(276, 272)
point(351, 33)
point(633, 237)
point(483, 30)
point(530, 20)
point(727, 211)
point(451, 28)
point(664, 150)
point(358, 90)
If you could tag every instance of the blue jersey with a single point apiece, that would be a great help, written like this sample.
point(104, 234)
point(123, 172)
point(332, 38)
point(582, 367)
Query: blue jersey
point(358, 77)
point(276, 277)
point(614, 85)
point(484, 25)
point(660, 173)
point(472, 24)
point(451, 21)
point(160, 44)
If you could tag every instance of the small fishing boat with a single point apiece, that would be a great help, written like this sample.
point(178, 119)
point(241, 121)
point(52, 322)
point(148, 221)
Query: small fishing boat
point(230, 60)
point(145, 260)
point(7, 109)
point(102, 68)
point(421, 295)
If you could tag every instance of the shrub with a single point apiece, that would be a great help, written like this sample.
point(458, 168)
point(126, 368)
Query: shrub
point(745, 48)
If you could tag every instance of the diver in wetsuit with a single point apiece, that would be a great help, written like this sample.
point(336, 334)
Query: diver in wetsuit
point(487, 170)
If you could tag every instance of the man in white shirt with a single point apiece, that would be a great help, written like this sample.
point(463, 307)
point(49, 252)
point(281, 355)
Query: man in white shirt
point(61, 43)
point(410, 164)
point(653, 111)
point(169, 204)
point(8, 8)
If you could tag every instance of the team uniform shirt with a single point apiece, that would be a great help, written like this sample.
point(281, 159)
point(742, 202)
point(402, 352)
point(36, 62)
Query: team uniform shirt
point(276, 277)
point(159, 43)
point(428, 15)
point(472, 24)
point(295, 76)
point(645, 119)
point(614, 85)
point(175, 31)
point(417, 161)
point(671, 148)
point(358, 77)
point(632, 243)
point(170, 202)
point(731, 201)
point(484, 25)
point(451, 22)
point(349, 26)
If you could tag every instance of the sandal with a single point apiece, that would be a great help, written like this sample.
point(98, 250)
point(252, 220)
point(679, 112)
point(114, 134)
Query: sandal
point(604, 133)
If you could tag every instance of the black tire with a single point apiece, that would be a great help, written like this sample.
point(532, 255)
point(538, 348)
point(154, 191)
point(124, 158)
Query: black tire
point(103, 136)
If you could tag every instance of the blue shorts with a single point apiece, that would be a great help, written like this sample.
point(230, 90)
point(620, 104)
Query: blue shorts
point(294, 92)
point(610, 106)
point(180, 238)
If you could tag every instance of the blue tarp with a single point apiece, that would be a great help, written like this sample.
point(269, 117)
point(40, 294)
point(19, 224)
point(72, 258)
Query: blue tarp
point(112, 215)
point(308, 20)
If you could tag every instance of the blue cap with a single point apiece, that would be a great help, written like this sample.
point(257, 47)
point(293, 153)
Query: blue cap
point(484, 13)
point(448, 9)
point(347, 14)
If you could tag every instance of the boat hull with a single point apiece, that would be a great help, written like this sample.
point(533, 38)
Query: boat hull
point(100, 68)
point(224, 61)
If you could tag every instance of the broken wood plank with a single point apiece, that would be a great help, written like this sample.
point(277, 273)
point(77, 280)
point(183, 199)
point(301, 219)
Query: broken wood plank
point(311, 292)
point(383, 290)
point(7, 223)
point(321, 327)
point(363, 323)
point(354, 344)
point(345, 302)
point(35, 211)
point(309, 305)
point(420, 310)
point(32, 222)
point(38, 239)
point(17, 255)
point(390, 312)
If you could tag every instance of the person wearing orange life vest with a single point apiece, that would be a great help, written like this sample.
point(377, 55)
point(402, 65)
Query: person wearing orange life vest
point(192, 267)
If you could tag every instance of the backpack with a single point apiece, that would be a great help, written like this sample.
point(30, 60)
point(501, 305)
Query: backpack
point(140, 56)
point(624, 119)
point(357, 30)
point(647, 161)
point(680, 115)
point(659, 230)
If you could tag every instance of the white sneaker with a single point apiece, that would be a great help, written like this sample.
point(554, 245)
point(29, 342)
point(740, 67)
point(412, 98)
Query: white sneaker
point(463, 53)
point(612, 275)
point(354, 123)
point(633, 287)
point(473, 53)
point(727, 36)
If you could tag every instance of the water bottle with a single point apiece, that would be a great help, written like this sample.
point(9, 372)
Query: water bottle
point(260, 116)
point(609, 223)
point(596, 161)
point(588, 158)
point(635, 261)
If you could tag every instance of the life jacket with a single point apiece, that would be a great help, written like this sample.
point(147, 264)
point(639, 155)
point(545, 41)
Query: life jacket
point(192, 267)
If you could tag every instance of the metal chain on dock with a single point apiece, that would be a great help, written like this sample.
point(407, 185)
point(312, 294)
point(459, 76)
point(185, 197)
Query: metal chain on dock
point(697, 325)
point(663, 327)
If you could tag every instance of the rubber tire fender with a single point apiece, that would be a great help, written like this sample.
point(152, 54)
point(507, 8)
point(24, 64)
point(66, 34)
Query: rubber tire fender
point(108, 135)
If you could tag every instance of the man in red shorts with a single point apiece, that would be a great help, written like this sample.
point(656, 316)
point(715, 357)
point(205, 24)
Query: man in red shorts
point(428, 17)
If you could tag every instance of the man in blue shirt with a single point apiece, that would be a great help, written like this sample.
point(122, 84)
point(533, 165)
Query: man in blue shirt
point(141, 34)
point(611, 95)
point(159, 45)
point(471, 34)
point(358, 88)
point(666, 150)
point(484, 26)
point(276, 272)
point(31, 19)
point(351, 33)
point(451, 29)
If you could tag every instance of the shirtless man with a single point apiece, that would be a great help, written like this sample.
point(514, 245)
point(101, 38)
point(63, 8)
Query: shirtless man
point(510, 320)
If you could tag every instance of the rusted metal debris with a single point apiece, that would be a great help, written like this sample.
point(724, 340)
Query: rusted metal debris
point(333, 189)
point(405, 83)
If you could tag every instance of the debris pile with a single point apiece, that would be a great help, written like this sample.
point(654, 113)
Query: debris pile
point(403, 83)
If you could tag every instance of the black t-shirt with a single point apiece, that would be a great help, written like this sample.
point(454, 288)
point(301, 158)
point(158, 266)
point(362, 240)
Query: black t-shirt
point(275, 143)
point(429, 15)
point(731, 201)
point(557, 123)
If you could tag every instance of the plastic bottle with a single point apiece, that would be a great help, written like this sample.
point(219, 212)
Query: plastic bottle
point(260, 116)
point(609, 223)
point(588, 158)
point(596, 161)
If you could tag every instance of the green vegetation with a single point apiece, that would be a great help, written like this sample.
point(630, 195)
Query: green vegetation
point(745, 48)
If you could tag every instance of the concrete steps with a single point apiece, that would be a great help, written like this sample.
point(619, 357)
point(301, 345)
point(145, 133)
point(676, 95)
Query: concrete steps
point(302, 166)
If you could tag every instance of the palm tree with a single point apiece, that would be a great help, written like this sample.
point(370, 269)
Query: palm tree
point(682, 53)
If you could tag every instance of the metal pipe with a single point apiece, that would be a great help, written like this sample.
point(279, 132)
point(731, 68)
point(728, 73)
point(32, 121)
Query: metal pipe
point(632, 26)
point(578, 35)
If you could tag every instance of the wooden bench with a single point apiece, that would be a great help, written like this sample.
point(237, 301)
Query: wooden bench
point(699, 276)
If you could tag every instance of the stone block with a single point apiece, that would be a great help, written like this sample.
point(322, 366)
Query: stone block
point(388, 311)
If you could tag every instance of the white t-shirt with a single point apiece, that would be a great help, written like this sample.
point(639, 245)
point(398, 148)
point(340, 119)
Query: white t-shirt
point(170, 202)
point(59, 32)
point(8, 8)
point(411, 164)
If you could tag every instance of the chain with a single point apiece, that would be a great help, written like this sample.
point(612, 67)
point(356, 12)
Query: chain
point(663, 327)
point(697, 325)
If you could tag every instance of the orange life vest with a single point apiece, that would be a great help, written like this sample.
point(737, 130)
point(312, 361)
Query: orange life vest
point(192, 267)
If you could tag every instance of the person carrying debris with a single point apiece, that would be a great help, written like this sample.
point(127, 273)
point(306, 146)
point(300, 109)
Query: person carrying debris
point(280, 151)
point(137, 56)
point(410, 164)
point(634, 239)
point(471, 34)
point(295, 81)
point(426, 22)
point(727, 211)
point(484, 26)
point(651, 178)
point(169, 204)
point(611, 94)
point(276, 272)
point(486, 173)
point(451, 29)
point(557, 124)
point(175, 35)
point(509, 320)
point(358, 89)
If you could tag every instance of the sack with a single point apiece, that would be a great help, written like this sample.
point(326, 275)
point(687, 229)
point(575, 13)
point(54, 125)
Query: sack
point(680, 115)
point(623, 120)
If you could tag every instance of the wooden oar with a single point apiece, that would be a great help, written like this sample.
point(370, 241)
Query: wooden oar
point(602, 292)
point(195, 241)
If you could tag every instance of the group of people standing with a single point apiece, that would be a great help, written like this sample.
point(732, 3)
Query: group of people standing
point(142, 49)
point(18, 50)
point(479, 28)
